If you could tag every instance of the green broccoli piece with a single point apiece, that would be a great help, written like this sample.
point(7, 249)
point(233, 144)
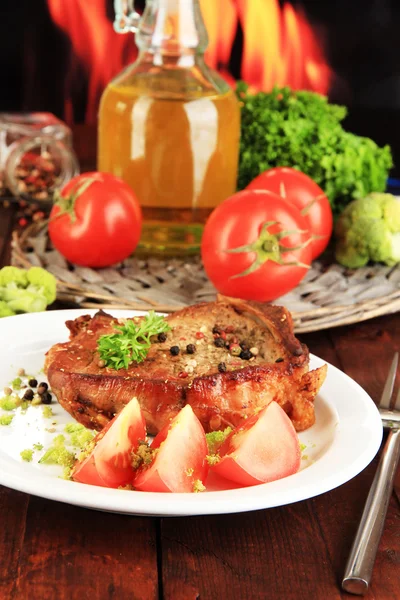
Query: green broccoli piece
point(5, 310)
point(369, 230)
point(215, 439)
point(25, 291)
point(8, 403)
point(27, 455)
point(23, 300)
point(6, 420)
point(42, 282)
point(13, 275)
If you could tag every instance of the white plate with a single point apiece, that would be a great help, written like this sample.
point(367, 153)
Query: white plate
point(345, 438)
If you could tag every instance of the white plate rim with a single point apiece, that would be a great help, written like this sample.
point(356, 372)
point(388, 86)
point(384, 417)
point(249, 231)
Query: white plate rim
point(310, 482)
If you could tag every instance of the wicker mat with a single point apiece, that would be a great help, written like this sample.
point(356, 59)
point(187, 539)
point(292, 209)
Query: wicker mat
point(328, 296)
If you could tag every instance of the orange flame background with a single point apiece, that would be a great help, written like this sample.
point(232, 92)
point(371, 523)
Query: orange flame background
point(279, 45)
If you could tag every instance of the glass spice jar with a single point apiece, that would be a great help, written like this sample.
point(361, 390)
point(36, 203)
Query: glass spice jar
point(36, 156)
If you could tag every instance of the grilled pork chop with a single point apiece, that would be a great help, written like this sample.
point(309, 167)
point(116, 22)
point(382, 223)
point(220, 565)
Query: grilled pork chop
point(221, 388)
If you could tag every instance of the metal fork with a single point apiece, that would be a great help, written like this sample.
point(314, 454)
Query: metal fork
point(361, 561)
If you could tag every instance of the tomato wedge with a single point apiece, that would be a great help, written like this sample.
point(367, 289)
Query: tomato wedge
point(180, 464)
point(109, 463)
point(263, 448)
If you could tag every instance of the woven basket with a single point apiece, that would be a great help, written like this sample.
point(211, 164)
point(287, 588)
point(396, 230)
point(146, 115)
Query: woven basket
point(328, 296)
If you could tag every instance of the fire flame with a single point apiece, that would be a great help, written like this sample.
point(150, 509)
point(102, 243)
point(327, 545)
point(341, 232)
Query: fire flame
point(95, 45)
point(279, 45)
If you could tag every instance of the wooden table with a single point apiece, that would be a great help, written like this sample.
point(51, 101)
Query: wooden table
point(50, 550)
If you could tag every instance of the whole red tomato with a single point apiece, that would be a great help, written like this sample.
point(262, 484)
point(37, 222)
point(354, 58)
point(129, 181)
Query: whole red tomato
point(256, 246)
point(96, 221)
point(300, 190)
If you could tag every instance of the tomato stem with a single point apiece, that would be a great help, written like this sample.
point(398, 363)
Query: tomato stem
point(270, 246)
point(67, 203)
point(267, 247)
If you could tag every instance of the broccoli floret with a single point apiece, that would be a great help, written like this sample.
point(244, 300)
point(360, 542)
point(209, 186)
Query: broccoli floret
point(215, 439)
point(369, 230)
point(25, 291)
point(23, 300)
point(27, 455)
point(13, 275)
point(43, 282)
point(6, 419)
point(5, 310)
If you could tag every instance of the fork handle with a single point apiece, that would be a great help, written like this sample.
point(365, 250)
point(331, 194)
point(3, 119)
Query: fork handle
point(361, 561)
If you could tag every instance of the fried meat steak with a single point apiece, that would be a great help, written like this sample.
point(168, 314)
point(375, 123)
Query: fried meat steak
point(222, 389)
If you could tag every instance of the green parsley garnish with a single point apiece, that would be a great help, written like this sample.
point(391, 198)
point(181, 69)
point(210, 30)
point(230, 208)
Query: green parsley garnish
point(132, 343)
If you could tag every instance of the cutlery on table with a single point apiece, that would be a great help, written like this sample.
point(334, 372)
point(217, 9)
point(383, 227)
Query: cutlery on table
point(360, 564)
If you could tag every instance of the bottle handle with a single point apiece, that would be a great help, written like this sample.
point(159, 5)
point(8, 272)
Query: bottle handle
point(126, 17)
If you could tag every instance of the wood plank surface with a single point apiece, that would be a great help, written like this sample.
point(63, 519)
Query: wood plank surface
point(268, 554)
point(70, 553)
point(13, 511)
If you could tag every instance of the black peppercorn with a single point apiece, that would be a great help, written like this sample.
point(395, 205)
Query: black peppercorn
point(47, 398)
point(190, 348)
point(222, 367)
point(245, 355)
point(243, 346)
point(174, 350)
point(219, 342)
point(28, 395)
point(43, 387)
point(216, 329)
point(279, 360)
point(162, 337)
point(32, 383)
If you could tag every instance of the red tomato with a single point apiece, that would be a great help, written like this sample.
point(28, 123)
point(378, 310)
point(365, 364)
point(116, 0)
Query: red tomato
point(181, 457)
point(306, 195)
point(97, 221)
point(256, 246)
point(109, 463)
point(263, 448)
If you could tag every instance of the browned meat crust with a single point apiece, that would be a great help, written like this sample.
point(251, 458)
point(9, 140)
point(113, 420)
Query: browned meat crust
point(93, 395)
